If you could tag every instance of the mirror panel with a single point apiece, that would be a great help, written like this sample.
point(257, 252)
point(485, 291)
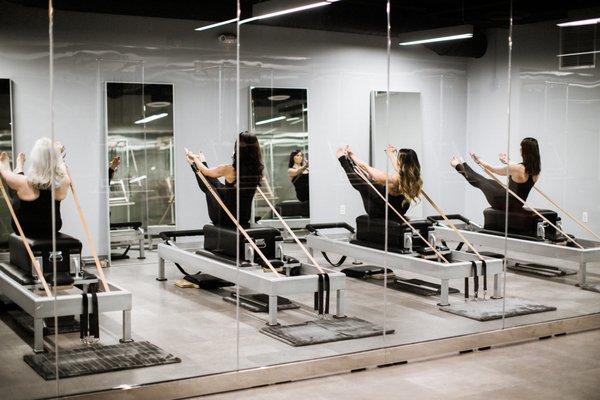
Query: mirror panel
point(279, 118)
point(6, 145)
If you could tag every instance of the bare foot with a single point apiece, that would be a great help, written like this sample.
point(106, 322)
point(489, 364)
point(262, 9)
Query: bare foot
point(20, 163)
point(454, 161)
point(475, 158)
point(4, 161)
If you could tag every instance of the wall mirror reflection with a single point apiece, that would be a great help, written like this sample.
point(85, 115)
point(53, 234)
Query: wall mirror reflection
point(6, 145)
point(279, 118)
point(139, 129)
point(402, 129)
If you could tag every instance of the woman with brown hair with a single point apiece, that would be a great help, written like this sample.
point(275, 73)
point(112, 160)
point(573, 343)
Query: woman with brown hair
point(403, 186)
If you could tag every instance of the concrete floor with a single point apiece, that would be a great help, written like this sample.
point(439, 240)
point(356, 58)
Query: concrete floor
point(556, 369)
point(201, 328)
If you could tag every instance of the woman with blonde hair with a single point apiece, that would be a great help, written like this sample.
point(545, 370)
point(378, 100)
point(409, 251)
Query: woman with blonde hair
point(33, 191)
point(403, 186)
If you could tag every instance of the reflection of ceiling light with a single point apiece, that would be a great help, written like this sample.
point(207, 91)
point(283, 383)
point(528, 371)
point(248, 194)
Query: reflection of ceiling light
point(436, 35)
point(137, 179)
point(293, 119)
point(203, 28)
point(274, 8)
point(296, 122)
point(151, 118)
point(266, 121)
point(158, 104)
point(590, 21)
point(305, 109)
point(279, 97)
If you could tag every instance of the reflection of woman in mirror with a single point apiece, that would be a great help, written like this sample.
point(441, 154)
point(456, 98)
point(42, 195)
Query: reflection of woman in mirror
point(33, 199)
point(298, 174)
point(250, 171)
point(113, 166)
point(403, 187)
point(521, 176)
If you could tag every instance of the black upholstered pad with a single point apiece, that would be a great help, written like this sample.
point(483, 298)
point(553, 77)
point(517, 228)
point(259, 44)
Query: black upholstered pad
point(293, 208)
point(43, 247)
point(521, 222)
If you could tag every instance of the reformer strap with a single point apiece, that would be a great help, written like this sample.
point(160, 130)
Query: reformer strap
point(466, 288)
point(337, 264)
point(484, 273)
point(95, 317)
point(475, 279)
point(327, 291)
point(460, 246)
point(83, 318)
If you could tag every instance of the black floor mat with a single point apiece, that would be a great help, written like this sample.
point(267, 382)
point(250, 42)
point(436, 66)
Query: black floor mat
point(545, 271)
point(420, 287)
point(324, 331)
point(488, 310)
point(260, 302)
point(95, 359)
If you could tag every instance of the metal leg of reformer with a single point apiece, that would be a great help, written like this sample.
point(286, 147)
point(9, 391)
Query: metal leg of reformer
point(38, 335)
point(339, 304)
point(497, 291)
point(161, 270)
point(444, 291)
point(142, 246)
point(582, 273)
point(126, 327)
point(272, 310)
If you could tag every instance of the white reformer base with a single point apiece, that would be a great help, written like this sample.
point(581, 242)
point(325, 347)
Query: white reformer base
point(39, 306)
point(129, 236)
point(411, 263)
point(529, 250)
point(253, 278)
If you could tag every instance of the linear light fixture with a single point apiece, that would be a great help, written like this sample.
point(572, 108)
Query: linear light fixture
point(266, 121)
point(436, 35)
point(151, 118)
point(590, 21)
point(204, 28)
point(274, 8)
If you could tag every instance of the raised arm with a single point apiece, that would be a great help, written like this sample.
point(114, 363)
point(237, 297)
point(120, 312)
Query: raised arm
point(294, 172)
point(376, 175)
point(502, 170)
point(14, 181)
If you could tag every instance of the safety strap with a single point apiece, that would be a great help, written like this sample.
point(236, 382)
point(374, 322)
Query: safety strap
point(516, 196)
point(34, 262)
point(337, 264)
point(232, 218)
point(83, 318)
point(415, 231)
point(327, 291)
point(95, 317)
point(460, 246)
point(466, 288)
point(484, 273)
point(475, 279)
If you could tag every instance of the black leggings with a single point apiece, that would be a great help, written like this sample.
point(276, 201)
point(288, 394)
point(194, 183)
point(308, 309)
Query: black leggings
point(373, 203)
point(494, 193)
point(215, 212)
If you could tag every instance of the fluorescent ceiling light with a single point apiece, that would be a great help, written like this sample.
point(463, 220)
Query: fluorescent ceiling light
point(580, 22)
point(158, 104)
point(229, 21)
point(266, 121)
point(295, 122)
point(279, 97)
point(305, 109)
point(274, 8)
point(436, 35)
point(151, 118)
point(292, 119)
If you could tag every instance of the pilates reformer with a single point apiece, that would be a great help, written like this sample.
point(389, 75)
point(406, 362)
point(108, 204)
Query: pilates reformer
point(25, 278)
point(535, 236)
point(411, 247)
point(124, 234)
point(263, 268)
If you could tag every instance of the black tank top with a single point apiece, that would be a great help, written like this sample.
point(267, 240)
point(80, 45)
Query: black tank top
point(35, 216)
point(521, 189)
point(301, 186)
point(228, 195)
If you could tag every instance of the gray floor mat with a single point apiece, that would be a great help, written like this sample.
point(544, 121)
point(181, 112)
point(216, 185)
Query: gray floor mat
point(487, 310)
point(541, 270)
point(324, 331)
point(95, 359)
point(592, 287)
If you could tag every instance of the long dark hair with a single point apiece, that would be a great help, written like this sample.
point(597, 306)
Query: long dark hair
point(530, 152)
point(409, 171)
point(292, 155)
point(251, 165)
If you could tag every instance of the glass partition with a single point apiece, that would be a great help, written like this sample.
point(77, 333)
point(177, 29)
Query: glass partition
point(553, 163)
point(7, 146)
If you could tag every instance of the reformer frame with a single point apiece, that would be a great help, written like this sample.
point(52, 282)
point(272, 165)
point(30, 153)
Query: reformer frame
point(40, 306)
point(340, 245)
point(253, 277)
point(125, 234)
point(539, 252)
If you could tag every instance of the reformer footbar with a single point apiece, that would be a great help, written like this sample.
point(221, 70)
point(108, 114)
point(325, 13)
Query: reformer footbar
point(232, 218)
point(323, 278)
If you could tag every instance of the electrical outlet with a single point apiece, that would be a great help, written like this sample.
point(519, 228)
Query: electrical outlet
point(584, 216)
point(342, 209)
